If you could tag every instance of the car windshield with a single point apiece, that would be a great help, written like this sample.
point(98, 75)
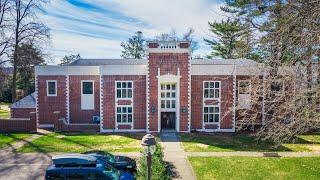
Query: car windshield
point(111, 172)
point(109, 157)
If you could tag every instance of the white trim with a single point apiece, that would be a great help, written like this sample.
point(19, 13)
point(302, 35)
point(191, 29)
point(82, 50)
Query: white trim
point(125, 99)
point(217, 105)
point(218, 99)
point(101, 102)
point(56, 90)
point(247, 96)
point(66, 70)
point(132, 69)
point(45, 125)
point(216, 130)
point(211, 123)
point(225, 69)
point(68, 98)
point(169, 79)
point(121, 130)
point(93, 94)
point(37, 99)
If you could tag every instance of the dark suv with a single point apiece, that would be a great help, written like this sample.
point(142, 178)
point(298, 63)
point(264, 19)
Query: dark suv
point(83, 167)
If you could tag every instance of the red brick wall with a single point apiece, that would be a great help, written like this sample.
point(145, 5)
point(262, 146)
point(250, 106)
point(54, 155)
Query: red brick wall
point(48, 104)
point(168, 63)
point(197, 101)
point(28, 124)
point(139, 101)
point(77, 115)
point(21, 112)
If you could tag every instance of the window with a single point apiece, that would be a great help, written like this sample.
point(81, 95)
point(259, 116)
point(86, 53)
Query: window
point(244, 87)
point(52, 88)
point(87, 87)
point(211, 114)
point(276, 87)
point(124, 89)
point(168, 96)
point(124, 114)
point(211, 89)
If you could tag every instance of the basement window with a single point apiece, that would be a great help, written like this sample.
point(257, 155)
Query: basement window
point(51, 88)
point(124, 114)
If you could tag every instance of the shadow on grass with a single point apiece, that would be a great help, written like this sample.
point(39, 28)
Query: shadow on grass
point(230, 142)
point(80, 142)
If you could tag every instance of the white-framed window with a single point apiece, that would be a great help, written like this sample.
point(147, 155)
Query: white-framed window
point(244, 87)
point(168, 95)
point(211, 89)
point(124, 114)
point(51, 87)
point(124, 89)
point(87, 94)
point(211, 114)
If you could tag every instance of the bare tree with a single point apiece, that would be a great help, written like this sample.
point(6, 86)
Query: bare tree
point(5, 7)
point(27, 29)
point(289, 93)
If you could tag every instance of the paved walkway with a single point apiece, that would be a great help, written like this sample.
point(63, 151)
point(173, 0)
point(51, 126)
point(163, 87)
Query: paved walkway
point(176, 157)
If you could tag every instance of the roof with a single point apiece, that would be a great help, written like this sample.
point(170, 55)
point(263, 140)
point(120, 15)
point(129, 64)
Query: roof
point(97, 62)
point(26, 102)
point(239, 62)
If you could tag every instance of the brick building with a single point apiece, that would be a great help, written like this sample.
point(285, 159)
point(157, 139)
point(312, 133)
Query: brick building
point(167, 90)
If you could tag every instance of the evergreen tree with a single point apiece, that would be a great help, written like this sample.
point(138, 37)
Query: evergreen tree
point(69, 59)
point(228, 36)
point(135, 47)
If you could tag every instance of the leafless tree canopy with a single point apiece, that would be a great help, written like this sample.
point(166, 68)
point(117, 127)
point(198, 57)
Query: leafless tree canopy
point(289, 89)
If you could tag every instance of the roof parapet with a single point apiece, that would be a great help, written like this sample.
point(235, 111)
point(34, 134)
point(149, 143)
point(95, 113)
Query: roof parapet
point(168, 47)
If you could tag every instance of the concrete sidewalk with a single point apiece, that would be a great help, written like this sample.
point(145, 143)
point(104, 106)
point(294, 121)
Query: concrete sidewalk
point(176, 157)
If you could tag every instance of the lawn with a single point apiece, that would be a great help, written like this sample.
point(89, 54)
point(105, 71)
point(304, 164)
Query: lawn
point(201, 142)
point(255, 168)
point(80, 143)
point(7, 139)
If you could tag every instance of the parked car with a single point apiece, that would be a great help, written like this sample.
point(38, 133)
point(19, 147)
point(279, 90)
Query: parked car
point(119, 162)
point(83, 167)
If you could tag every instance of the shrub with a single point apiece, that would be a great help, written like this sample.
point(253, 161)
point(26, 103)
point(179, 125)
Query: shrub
point(158, 168)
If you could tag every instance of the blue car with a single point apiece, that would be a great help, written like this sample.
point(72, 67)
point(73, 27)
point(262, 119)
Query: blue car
point(83, 167)
point(119, 162)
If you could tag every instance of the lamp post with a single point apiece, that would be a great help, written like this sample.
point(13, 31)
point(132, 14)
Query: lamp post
point(149, 146)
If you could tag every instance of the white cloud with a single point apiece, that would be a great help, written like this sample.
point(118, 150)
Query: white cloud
point(98, 34)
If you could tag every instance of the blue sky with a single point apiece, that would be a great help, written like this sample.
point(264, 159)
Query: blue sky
point(95, 28)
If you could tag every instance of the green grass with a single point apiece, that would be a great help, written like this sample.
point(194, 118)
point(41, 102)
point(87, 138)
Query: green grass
point(255, 168)
point(80, 143)
point(12, 138)
point(200, 142)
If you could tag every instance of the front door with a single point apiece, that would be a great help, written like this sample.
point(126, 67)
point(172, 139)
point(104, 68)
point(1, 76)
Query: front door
point(168, 120)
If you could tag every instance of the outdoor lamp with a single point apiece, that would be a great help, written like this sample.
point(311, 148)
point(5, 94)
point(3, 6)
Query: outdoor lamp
point(149, 146)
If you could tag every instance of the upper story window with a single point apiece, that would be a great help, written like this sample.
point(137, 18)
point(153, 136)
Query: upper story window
point(211, 89)
point(124, 89)
point(87, 87)
point(168, 96)
point(244, 87)
point(51, 88)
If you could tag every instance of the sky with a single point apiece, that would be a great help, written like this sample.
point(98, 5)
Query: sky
point(95, 28)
